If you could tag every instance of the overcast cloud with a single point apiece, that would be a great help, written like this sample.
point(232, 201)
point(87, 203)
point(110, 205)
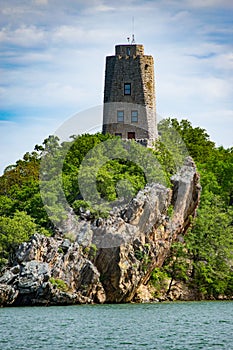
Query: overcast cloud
point(53, 59)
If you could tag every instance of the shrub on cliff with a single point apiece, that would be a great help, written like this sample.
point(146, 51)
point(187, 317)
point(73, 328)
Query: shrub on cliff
point(13, 231)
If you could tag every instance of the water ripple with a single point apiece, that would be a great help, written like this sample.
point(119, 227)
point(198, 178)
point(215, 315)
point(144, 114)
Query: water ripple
point(166, 326)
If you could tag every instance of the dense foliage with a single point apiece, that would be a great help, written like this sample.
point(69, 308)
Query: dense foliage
point(40, 187)
point(203, 260)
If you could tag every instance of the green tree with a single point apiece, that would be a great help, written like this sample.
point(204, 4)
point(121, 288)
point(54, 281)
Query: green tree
point(14, 231)
point(210, 246)
point(197, 141)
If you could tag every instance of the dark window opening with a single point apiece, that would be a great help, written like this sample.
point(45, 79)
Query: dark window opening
point(127, 89)
point(128, 51)
point(118, 134)
point(146, 66)
point(131, 135)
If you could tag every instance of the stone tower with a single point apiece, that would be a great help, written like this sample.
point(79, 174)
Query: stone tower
point(129, 95)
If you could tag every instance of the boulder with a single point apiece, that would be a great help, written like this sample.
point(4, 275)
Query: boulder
point(8, 294)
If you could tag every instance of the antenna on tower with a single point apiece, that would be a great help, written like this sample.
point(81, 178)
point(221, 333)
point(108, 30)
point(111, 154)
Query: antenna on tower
point(133, 38)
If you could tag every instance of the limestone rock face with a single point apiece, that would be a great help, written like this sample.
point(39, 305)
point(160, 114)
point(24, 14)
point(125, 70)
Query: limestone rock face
point(107, 260)
point(7, 294)
point(49, 271)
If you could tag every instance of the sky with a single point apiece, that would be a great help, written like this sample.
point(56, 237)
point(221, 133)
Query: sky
point(52, 63)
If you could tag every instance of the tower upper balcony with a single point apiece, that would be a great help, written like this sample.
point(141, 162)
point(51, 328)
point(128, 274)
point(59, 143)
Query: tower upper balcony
point(129, 50)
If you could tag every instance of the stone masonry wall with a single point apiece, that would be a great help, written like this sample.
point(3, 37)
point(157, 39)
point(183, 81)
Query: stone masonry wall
point(130, 65)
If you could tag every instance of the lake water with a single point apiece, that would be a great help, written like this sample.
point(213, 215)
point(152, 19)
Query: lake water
point(183, 326)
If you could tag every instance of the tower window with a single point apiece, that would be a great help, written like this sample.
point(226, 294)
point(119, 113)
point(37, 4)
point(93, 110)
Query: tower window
point(128, 51)
point(134, 116)
point(127, 89)
point(120, 116)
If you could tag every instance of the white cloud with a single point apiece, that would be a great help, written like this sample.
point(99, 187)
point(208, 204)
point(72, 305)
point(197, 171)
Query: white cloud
point(64, 78)
point(218, 123)
point(12, 10)
point(24, 36)
point(213, 88)
point(41, 2)
point(210, 3)
point(78, 35)
point(224, 62)
point(99, 7)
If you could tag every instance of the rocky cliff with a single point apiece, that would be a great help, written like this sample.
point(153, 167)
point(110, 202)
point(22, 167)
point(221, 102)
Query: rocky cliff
point(105, 260)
